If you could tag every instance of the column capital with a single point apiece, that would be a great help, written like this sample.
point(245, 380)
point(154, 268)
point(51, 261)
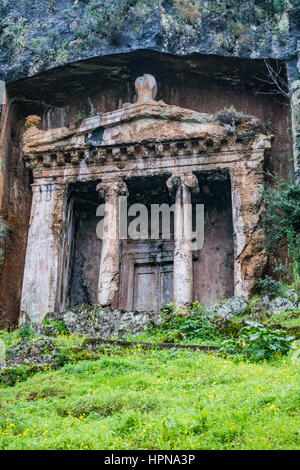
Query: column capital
point(43, 190)
point(173, 183)
point(60, 190)
point(108, 189)
point(189, 180)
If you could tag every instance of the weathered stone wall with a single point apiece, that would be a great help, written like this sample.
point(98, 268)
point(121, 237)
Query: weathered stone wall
point(15, 202)
point(39, 35)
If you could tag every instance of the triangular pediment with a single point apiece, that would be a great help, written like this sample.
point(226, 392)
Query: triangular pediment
point(145, 120)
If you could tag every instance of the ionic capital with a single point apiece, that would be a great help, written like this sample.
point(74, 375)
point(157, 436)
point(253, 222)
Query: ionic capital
point(173, 183)
point(112, 189)
point(189, 180)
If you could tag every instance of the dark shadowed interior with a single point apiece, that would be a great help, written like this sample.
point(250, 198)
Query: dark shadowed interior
point(146, 270)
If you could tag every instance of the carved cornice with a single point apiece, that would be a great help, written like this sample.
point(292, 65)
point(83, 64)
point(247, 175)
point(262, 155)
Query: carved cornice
point(145, 150)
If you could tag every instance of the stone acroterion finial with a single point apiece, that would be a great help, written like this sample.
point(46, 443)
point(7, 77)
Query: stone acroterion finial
point(146, 88)
point(32, 122)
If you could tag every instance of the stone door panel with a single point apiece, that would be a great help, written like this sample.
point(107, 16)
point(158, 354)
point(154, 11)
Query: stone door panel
point(144, 288)
point(153, 285)
point(166, 285)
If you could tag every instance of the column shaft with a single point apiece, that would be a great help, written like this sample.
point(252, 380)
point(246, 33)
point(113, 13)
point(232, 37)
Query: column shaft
point(109, 265)
point(43, 253)
point(183, 289)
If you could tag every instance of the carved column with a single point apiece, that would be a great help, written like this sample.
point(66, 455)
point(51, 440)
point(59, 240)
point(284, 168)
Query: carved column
point(247, 182)
point(183, 293)
point(109, 265)
point(43, 253)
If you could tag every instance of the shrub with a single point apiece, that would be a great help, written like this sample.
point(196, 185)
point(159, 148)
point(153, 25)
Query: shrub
point(26, 330)
point(105, 19)
point(58, 325)
point(12, 375)
point(270, 287)
point(256, 342)
point(230, 116)
point(190, 10)
point(282, 221)
point(189, 324)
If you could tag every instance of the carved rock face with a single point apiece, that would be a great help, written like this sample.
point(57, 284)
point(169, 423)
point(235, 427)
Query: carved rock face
point(142, 140)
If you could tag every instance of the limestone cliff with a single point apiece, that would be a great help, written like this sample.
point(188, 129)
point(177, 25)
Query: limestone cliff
point(38, 35)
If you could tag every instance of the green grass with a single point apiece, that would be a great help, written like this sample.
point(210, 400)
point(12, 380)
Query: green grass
point(287, 319)
point(155, 335)
point(154, 400)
